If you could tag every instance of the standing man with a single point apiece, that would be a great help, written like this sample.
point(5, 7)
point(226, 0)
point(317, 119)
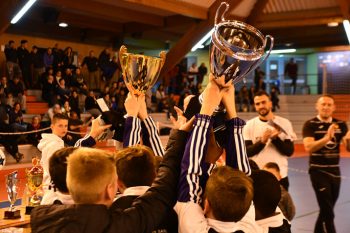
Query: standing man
point(291, 70)
point(92, 65)
point(24, 61)
point(322, 136)
point(269, 138)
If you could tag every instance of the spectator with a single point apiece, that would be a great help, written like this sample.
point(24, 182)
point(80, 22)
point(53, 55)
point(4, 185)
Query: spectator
point(274, 98)
point(24, 62)
point(202, 72)
point(75, 125)
point(62, 91)
point(35, 137)
point(38, 66)
point(48, 59)
point(68, 58)
point(17, 89)
point(74, 102)
point(91, 62)
point(4, 89)
point(291, 70)
point(91, 105)
point(16, 119)
point(49, 91)
point(8, 141)
point(58, 57)
point(12, 67)
point(192, 74)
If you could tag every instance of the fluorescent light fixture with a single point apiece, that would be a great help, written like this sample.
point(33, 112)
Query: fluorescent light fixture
point(347, 28)
point(63, 24)
point(201, 41)
point(24, 9)
point(283, 51)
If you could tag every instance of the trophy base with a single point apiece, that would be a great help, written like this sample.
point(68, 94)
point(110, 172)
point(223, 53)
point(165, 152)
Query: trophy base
point(12, 214)
point(29, 209)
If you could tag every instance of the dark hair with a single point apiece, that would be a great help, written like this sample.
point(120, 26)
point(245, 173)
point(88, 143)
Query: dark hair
point(229, 193)
point(136, 166)
point(59, 116)
point(11, 42)
point(253, 165)
point(261, 93)
point(272, 165)
point(23, 41)
point(267, 193)
point(58, 168)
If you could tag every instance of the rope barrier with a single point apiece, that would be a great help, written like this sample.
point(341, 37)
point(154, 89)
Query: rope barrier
point(306, 172)
point(37, 131)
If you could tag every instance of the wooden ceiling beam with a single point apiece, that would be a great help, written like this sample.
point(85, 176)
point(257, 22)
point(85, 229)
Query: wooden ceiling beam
point(303, 14)
point(175, 6)
point(344, 8)
point(256, 12)
point(192, 36)
point(297, 22)
point(89, 22)
point(106, 12)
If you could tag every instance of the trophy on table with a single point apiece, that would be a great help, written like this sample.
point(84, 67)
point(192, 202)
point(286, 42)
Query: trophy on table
point(140, 72)
point(236, 48)
point(11, 188)
point(34, 183)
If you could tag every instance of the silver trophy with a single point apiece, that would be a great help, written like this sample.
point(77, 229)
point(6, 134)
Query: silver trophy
point(11, 188)
point(140, 72)
point(236, 48)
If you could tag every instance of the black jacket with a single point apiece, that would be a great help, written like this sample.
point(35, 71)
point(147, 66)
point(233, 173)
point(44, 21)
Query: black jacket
point(144, 215)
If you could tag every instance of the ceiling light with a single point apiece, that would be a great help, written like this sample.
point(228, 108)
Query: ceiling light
point(347, 28)
point(333, 24)
point(283, 51)
point(24, 9)
point(63, 24)
point(201, 41)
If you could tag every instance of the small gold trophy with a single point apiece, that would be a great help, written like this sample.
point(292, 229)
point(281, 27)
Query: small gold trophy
point(34, 183)
point(140, 72)
point(11, 188)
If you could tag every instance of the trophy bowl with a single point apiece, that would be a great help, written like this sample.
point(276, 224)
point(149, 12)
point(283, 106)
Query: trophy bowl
point(236, 48)
point(34, 183)
point(140, 72)
point(11, 188)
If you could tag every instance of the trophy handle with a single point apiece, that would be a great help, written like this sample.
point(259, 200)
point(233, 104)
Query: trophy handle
point(162, 55)
point(227, 6)
point(258, 62)
point(122, 51)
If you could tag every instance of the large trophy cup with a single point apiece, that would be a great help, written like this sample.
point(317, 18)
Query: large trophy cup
point(236, 48)
point(140, 72)
point(11, 187)
point(34, 183)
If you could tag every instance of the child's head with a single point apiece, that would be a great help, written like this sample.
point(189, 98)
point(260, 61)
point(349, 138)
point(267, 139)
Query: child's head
point(59, 124)
point(274, 169)
point(135, 167)
point(58, 168)
point(91, 176)
point(267, 194)
point(225, 185)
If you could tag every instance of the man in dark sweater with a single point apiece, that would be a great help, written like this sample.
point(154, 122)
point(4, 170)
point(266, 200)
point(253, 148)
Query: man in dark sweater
point(24, 61)
point(322, 136)
point(92, 65)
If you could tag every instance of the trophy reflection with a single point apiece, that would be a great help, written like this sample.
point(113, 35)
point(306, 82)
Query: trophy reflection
point(236, 48)
point(34, 184)
point(11, 188)
point(140, 72)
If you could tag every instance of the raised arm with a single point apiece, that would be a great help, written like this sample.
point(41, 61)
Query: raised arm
point(236, 155)
point(150, 135)
point(132, 128)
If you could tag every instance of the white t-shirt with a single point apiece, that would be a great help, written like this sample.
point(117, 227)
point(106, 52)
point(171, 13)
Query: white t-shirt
point(255, 128)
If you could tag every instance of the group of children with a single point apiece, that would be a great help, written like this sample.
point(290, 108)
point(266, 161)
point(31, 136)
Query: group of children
point(91, 190)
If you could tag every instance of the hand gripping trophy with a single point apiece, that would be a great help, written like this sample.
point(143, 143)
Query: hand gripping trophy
point(34, 183)
point(140, 72)
point(11, 188)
